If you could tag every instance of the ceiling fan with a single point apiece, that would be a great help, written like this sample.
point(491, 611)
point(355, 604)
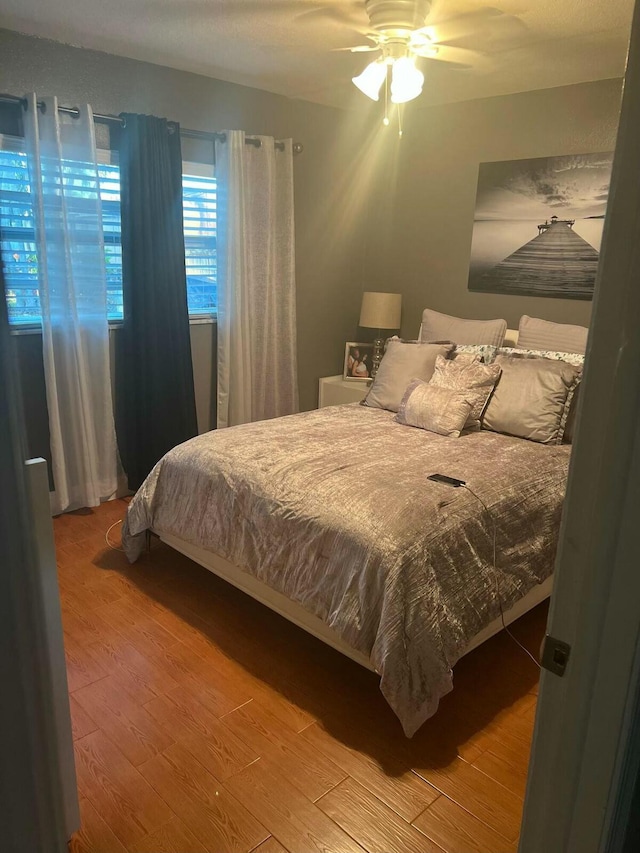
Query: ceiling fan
point(401, 31)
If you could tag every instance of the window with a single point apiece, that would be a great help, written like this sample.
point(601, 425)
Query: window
point(17, 246)
point(19, 251)
point(199, 217)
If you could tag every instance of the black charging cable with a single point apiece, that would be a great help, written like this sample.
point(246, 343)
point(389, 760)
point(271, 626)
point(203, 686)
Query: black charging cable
point(461, 484)
point(496, 576)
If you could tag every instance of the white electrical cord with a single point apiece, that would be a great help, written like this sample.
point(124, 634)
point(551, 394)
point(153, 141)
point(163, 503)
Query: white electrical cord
point(106, 537)
point(496, 577)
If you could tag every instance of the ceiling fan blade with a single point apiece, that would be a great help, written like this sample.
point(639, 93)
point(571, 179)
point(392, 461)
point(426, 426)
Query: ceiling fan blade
point(489, 26)
point(460, 56)
point(360, 48)
point(426, 51)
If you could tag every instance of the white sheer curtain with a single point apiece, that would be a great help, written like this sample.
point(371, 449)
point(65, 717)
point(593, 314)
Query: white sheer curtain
point(257, 361)
point(64, 182)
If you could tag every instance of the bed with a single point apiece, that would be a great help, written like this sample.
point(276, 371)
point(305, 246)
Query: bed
point(328, 518)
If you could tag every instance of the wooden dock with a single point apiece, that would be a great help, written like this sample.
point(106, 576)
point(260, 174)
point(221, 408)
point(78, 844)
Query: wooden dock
point(558, 262)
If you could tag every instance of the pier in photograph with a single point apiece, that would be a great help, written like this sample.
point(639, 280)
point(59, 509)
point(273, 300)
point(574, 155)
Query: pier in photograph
point(558, 262)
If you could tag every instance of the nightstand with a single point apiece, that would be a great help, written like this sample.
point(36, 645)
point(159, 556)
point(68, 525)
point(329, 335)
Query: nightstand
point(335, 391)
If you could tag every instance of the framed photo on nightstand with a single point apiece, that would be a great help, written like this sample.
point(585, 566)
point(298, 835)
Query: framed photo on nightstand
point(358, 361)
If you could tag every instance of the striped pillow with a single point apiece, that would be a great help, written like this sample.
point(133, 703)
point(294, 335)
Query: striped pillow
point(437, 327)
point(537, 334)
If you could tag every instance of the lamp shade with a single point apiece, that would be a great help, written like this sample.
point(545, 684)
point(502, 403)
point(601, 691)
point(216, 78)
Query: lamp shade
point(380, 310)
point(371, 80)
point(406, 81)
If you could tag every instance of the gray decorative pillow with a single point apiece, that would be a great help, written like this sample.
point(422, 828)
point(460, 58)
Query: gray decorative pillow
point(576, 359)
point(485, 352)
point(402, 362)
point(572, 417)
point(440, 327)
point(536, 334)
point(440, 410)
point(532, 398)
point(471, 378)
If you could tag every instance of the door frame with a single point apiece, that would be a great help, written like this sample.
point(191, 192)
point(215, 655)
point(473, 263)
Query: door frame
point(583, 732)
point(35, 813)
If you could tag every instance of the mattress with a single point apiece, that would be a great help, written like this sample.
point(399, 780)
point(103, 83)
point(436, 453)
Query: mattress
point(333, 509)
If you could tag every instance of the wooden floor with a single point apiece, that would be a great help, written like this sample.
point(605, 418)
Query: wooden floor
point(205, 722)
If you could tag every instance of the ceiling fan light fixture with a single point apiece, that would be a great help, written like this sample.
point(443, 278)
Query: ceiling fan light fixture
point(371, 80)
point(406, 81)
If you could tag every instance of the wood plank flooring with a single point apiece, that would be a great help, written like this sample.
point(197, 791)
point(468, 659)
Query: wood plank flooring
point(205, 723)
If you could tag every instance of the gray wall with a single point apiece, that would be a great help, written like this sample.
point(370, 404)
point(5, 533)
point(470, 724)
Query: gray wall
point(329, 247)
point(424, 232)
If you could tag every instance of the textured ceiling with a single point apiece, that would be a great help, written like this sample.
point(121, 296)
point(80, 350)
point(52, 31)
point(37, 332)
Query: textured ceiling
point(286, 46)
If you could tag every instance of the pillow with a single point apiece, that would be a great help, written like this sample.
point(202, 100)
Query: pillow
point(440, 410)
point(537, 334)
point(438, 327)
point(576, 359)
point(570, 425)
point(402, 362)
point(532, 398)
point(484, 352)
point(474, 380)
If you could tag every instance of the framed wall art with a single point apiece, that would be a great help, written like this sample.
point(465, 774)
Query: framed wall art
point(538, 225)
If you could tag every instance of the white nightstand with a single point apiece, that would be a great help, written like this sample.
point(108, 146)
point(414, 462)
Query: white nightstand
point(334, 391)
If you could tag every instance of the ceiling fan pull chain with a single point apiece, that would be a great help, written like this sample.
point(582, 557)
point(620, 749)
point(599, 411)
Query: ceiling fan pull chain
point(385, 120)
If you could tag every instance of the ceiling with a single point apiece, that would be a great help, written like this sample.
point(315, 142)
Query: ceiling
point(287, 46)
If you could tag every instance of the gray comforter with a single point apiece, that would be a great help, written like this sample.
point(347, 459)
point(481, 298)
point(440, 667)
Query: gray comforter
point(333, 508)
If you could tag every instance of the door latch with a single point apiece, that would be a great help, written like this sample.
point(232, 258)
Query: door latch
point(555, 655)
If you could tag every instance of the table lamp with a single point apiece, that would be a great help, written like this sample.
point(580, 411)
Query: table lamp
point(380, 311)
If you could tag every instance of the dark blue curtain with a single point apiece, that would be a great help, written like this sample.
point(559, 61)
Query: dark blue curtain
point(155, 400)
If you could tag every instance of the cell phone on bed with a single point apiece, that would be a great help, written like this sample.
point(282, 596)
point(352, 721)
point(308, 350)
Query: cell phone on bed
point(449, 481)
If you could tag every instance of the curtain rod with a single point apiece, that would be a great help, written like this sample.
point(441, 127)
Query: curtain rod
point(187, 132)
